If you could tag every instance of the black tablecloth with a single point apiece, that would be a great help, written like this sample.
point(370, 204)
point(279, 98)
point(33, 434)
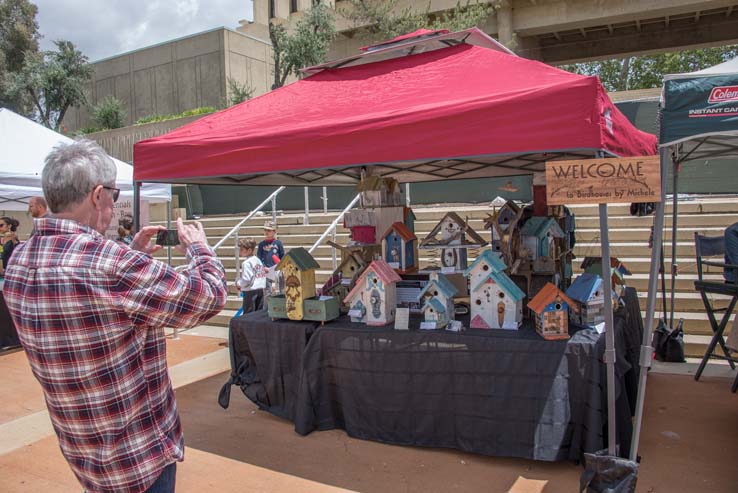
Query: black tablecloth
point(507, 393)
point(266, 359)
point(8, 334)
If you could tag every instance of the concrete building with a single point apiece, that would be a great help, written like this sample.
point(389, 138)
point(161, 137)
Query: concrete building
point(178, 75)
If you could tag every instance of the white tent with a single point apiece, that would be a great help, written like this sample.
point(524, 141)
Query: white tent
point(25, 144)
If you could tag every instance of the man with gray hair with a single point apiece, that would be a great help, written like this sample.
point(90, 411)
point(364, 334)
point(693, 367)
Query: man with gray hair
point(90, 315)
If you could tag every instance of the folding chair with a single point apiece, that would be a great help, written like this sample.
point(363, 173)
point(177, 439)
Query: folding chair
point(707, 246)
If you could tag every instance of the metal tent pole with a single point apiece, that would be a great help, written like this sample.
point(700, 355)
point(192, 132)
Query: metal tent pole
point(646, 349)
point(306, 219)
point(136, 206)
point(675, 201)
point(609, 331)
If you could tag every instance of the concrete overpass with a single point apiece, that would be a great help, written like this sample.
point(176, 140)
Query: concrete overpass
point(558, 31)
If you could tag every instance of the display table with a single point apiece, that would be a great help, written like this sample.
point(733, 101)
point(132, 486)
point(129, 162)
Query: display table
point(494, 392)
point(8, 334)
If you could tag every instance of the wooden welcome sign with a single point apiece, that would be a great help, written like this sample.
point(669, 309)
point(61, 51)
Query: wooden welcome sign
point(604, 181)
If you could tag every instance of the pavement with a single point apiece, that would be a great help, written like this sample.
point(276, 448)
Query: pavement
point(689, 441)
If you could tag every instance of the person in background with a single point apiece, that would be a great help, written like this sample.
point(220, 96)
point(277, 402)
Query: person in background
point(90, 315)
point(125, 230)
point(37, 207)
point(8, 240)
point(253, 277)
point(270, 251)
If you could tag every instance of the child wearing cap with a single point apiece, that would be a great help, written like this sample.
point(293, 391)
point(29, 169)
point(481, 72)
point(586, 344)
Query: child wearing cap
point(253, 277)
point(270, 250)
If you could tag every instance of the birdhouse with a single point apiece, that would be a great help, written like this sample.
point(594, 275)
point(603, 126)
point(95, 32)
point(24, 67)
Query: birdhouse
point(344, 278)
point(538, 236)
point(400, 248)
point(438, 300)
point(408, 218)
point(551, 309)
point(298, 268)
point(593, 265)
point(503, 227)
point(588, 293)
point(496, 302)
point(488, 261)
point(453, 236)
point(374, 297)
point(363, 224)
point(379, 192)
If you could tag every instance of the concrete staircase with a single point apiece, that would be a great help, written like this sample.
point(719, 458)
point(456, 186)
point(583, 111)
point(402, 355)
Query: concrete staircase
point(628, 236)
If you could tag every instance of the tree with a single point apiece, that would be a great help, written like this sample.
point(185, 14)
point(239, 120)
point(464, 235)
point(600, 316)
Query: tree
point(109, 113)
point(304, 45)
point(238, 93)
point(54, 81)
point(383, 20)
point(643, 72)
point(18, 38)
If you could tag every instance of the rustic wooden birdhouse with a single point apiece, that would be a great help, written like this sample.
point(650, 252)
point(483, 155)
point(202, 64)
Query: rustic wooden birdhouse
point(588, 293)
point(503, 228)
point(593, 265)
point(363, 224)
point(379, 192)
point(344, 278)
point(551, 309)
point(487, 261)
point(437, 300)
point(496, 302)
point(453, 236)
point(538, 236)
point(400, 248)
point(298, 268)
point(373, 299)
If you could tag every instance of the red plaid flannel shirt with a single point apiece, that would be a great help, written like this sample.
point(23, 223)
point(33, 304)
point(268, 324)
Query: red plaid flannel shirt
point(90, 314)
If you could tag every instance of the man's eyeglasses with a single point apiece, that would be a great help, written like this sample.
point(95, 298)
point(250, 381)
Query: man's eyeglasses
point(116, 192)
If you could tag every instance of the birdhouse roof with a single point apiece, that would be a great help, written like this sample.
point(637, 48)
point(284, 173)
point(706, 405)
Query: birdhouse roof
point(352, 257)
point(547, 295)
point(333, 281)
point(584, 287)
point(471, 237)
point(496, 214)
point(538, 226)
point(401, 230)
point(490, 258)
point(504, 282)
point(435, 304)
point(382, 269)
point(301, 258)
point(614, 262)
point(443, 285)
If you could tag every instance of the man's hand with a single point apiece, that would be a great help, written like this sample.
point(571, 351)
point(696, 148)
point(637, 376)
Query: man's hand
point(142, 240)
point(189, 234)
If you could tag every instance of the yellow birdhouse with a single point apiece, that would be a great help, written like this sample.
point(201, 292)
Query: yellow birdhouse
point(298, 268)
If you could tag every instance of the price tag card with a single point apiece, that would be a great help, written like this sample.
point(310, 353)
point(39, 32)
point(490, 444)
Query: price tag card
point(355, 314)
point(402, 318)
point(448, 270)
point(345, 282)
point(394, 265)
point(427, 325)
point(455, 326)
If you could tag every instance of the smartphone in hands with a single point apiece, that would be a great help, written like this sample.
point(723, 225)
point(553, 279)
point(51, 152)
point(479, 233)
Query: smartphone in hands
point(167, 237)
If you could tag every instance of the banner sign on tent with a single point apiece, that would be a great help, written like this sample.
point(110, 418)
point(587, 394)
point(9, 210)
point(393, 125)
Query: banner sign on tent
point(604, 181)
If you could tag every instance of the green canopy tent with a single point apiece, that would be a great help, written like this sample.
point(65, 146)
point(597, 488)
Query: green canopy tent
point(698, 121)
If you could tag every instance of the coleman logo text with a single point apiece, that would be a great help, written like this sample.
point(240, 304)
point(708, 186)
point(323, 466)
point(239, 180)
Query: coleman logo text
point(723, 94)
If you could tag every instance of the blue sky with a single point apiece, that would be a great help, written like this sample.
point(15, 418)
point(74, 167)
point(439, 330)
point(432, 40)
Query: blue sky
point(103, 28)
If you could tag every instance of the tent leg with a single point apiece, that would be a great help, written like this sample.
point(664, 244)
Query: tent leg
point(136, 206)
point(609, 331)
point(169, 226)
point(674, 194)
point(306, 219)
point(646, 349)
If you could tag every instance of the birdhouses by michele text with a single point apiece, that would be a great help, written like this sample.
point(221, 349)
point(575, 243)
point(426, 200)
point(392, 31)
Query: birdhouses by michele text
point(400, 248)
point(374, 297)
point(551, 308)
point(437, 300)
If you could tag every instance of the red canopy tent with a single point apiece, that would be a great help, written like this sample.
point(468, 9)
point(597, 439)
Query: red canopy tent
point(457, 106)
point(433, 106)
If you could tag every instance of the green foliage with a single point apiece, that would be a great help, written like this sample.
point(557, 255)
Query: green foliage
point(647, 71)
point(87, 130)
point(18, 38)
point(303, 46)
point(109, 113)
point(238, 93)
point(162, 118)
point(384, 20)
point(54, 81)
